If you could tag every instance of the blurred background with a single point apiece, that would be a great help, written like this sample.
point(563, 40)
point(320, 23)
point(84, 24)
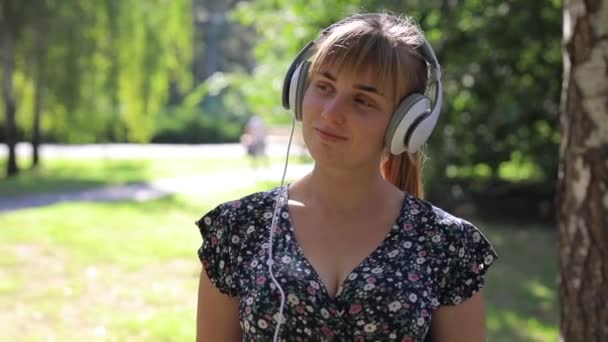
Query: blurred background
point(121, 123)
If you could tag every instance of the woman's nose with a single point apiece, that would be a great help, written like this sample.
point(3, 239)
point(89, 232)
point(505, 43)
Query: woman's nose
point(334, 110)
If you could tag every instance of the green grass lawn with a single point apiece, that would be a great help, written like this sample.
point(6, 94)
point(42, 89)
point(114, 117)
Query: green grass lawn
point(521, 288)
point(112, 271)
point(128, 271)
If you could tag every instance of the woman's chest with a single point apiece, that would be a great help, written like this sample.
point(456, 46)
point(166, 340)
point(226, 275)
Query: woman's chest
point(390, 293)
point(334, 247)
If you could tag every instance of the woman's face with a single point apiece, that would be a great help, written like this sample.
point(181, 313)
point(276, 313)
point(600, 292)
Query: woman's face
point(345, 116)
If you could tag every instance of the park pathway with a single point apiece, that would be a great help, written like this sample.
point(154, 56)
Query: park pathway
point(209, 183)
point(226, 180)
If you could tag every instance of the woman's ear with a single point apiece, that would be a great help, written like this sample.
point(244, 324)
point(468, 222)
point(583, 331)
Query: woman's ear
point(384, 160)
point(385, 154)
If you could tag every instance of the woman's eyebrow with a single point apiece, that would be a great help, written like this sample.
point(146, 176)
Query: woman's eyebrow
point(364, 87)
point(367, 88)
point(328, 75)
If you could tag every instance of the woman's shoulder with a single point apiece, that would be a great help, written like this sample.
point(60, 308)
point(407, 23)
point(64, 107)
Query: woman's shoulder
point(248, 207)
point(228, 230)
point(425, 213)
point(443, 226)
point(461, 252)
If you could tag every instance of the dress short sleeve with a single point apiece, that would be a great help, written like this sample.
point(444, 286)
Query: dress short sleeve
point(469, 255)
point(219, 250)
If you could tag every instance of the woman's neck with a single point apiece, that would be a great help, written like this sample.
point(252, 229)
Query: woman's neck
point(341, 190)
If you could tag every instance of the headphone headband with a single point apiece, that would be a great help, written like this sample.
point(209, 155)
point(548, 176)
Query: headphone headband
point(308, 51)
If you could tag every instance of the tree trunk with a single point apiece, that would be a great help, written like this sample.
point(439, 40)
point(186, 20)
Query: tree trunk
point(36, 136)
point(199, 14)
point(213, 50)
point(583, 173)
point(38, 89)
point(209, 21)
point(9, 101)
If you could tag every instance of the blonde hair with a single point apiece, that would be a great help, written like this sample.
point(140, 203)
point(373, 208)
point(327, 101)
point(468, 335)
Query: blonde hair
point(386, 44)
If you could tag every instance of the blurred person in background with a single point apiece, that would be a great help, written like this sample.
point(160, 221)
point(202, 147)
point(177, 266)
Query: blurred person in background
point(254, 141)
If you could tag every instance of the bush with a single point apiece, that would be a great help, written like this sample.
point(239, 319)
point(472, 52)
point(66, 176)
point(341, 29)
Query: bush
point(192, 125)
point(494, 199)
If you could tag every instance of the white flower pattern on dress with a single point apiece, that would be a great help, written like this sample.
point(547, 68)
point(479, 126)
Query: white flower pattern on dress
point(394, 306)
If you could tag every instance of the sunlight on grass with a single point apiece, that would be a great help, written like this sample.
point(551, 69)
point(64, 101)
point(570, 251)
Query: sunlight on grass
point(128, 233)
point(540, 291)
point(519, 327)
point(8, 284)
point(167, 325)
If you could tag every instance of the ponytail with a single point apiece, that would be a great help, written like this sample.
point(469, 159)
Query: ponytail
point(405, 172)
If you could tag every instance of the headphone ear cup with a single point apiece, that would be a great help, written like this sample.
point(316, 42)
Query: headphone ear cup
point(297, 87)
point(421, 131)
point(406, 119)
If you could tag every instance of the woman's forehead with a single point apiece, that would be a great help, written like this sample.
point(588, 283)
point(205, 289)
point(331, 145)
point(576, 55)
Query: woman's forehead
point(366, 75)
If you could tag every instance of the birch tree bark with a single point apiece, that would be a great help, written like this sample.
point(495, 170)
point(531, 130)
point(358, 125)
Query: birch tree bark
point(583, 173)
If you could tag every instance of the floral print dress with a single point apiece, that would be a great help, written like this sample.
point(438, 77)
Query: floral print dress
point(429, 258)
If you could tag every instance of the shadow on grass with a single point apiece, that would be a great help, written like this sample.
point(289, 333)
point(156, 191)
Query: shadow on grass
point(72, 175)
point(65, 175)
point(521, 288)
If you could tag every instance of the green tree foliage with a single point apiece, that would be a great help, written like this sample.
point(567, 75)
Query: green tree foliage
point(282, 28)
point(108, 66)
point(212, 111)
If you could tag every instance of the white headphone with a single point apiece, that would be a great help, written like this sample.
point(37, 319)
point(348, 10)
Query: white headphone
point(412, 122)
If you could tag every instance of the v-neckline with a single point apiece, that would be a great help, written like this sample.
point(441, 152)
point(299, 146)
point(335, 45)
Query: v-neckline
point(284, 206)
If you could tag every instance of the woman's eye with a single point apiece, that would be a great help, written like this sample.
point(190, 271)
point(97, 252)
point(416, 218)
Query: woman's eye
point(364, 101)
point(323, 87)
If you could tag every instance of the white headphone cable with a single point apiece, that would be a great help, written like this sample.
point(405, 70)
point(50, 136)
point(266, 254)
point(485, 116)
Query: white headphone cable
point(281, 198)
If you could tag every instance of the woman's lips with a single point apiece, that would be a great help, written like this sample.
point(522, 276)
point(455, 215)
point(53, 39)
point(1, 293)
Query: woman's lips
point(328, 136)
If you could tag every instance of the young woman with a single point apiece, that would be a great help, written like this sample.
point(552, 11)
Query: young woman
point(354, 254)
